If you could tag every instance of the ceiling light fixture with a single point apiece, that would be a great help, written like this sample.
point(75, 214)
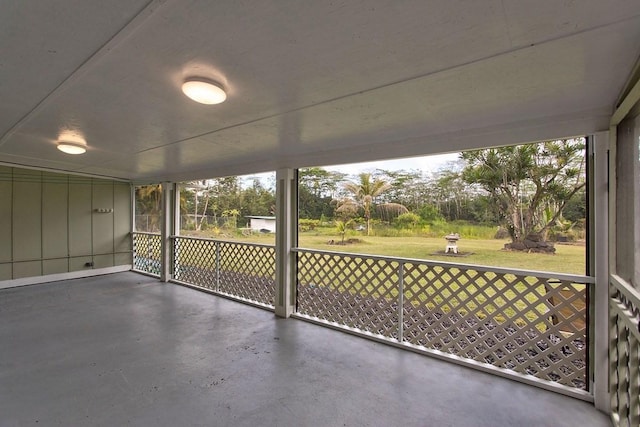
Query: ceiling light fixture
point(72, 147)
point(204, 91)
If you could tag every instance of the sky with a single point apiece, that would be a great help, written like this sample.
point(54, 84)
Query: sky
point(424, 163)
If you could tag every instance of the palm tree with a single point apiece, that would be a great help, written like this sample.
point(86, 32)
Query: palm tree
point(363, 194)
point(149, 203)
point(342, 227)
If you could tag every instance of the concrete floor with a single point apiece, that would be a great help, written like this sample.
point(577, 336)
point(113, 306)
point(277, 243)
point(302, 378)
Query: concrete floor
point(124, 349)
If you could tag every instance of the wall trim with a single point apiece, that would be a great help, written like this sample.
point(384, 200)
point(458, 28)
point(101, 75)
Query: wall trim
point(4, 284)
point(64, 172)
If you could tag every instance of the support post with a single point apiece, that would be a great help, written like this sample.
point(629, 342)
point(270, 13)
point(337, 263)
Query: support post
point(600, 269)
point(175, 226)
point(133, 225)
point(286, 240)
point(166, 229)
point(401, 302)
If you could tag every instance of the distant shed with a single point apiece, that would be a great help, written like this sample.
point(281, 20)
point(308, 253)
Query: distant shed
point(261, 223)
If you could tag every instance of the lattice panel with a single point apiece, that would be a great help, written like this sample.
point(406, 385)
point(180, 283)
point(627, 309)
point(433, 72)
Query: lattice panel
point(350, 290)
point(242, 270)
point(248, 271)
point(526, 324)
point(195, 262)
point(624, 359)
point(147, 253)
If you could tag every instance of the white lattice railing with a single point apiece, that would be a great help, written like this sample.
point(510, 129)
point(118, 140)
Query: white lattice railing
point(147, 250)
point(624, 353)
point(244, 271)
point(531, 325)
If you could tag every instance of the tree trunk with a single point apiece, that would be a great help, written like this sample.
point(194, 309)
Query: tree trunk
point(204, 213)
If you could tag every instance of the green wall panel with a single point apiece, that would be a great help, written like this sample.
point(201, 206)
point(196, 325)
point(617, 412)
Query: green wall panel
point(80, 218)
point(122, 218)
point(6, 196)
point(78, 263)
point(102, 261)
point(55, 266)
point(50, 223)
point(27, 269)
point(55, 231)
point(102, 229)
point(5, 272)
point(27, 218)
point(123, 258)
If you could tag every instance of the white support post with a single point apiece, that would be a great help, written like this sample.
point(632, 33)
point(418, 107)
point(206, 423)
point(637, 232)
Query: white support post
point(599, 244)
point(175, 229)
point(133, 223)
point(166, 229)
point(286, 239)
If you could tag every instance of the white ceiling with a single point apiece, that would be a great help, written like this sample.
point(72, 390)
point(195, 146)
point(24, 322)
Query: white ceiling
point(309, 82)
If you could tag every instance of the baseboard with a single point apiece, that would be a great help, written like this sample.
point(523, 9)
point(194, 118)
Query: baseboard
point(62, 276)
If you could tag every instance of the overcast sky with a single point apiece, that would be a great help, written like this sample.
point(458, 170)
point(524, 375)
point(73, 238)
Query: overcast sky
point(425, 163)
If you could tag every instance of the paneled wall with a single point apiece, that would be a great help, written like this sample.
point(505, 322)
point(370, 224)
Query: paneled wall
point(54, 223)
point(628, 201)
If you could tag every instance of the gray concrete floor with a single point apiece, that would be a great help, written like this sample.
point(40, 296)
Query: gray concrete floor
point(124, 349)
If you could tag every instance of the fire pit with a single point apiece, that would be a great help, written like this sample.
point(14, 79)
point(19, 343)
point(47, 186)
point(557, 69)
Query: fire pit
point(452, 243)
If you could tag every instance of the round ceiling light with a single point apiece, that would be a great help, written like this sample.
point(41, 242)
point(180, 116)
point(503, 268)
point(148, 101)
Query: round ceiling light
point(204, 91)
point(72, 147)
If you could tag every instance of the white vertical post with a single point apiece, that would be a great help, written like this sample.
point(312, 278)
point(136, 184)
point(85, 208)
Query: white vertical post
point(133, 224)
point(175, 226)
point(599, 244)
point(400, 301)
point(217, 266)
point(175, 231)
point(286, 239)
point(166, 229)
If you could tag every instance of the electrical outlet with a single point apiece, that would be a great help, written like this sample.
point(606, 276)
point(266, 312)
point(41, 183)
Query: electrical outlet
point(88, 264)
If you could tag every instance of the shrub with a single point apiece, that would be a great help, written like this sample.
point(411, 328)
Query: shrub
point(394, 232)
point(305, 224)
point(407, 220)
point(430, 213)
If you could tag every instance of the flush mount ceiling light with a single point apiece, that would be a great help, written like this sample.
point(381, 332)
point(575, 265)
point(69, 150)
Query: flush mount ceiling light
point(204, 91)
point(72, 147)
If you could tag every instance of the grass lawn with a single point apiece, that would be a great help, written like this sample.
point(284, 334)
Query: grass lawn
point(567, 259)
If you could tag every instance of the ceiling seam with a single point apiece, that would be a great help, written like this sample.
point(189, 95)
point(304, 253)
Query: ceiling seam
point(124, 32)
point(62, 171)
point(411, 143)
point(386, 85)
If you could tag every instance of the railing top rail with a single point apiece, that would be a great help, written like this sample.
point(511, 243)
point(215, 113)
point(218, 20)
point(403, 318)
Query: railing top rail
point(574, 278)
point(623, 316)
point(146, 233)
point(629, 292)
point(235, 242)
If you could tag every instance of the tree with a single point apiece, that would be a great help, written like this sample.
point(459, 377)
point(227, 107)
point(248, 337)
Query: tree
point(363, 194)
point(316, 188)
point(256, 200)
point(524, 181)
point(231, 218)
point(407, 187)
point(149, 203)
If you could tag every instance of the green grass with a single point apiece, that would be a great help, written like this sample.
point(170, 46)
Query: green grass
point(568, 258)
point(488, 252)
